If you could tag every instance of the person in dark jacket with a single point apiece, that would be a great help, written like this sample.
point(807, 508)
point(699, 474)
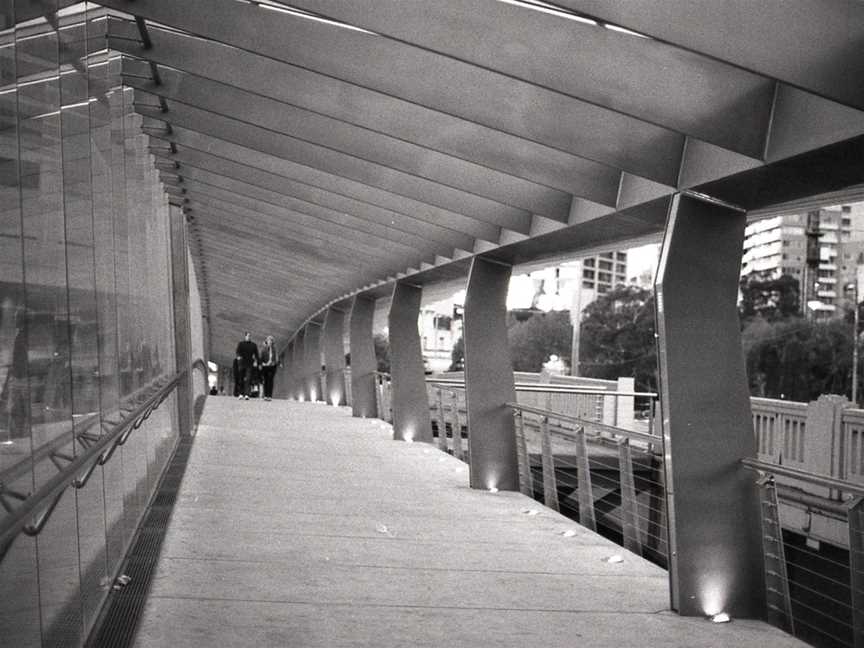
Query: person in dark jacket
point(269, 360)
point(247, 362)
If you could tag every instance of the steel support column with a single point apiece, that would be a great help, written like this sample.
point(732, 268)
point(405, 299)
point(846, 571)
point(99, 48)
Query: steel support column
point(286, 384)
point(363, 363)
point(489, 378)
point(312, 362)
point(298, 373)
point(182, 331)
point(334, 356)
point(411, 420)
point(714, 531)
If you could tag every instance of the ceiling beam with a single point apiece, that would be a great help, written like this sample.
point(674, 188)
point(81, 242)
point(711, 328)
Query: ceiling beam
point(336, 163)
point(558, 124)
point(408, 208)
point(810, 44)
point(600, 186)
point(319, 204)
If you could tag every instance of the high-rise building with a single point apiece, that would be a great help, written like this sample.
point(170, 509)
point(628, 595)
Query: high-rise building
point(778, 246)
point(604, 271)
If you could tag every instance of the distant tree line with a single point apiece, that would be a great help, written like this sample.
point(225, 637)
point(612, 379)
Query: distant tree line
point(787, 355)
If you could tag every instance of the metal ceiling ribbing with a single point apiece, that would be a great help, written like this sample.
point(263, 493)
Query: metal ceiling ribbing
point(321, 155)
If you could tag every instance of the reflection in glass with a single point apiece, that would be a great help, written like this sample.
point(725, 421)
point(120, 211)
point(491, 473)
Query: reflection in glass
point(85, 316)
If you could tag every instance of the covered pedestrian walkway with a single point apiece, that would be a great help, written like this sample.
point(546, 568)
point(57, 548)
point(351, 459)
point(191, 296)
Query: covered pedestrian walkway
point(298, 525)
point(174, 174)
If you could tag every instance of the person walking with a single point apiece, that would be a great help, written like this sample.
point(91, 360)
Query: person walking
point(247, 361)
point(269, 360)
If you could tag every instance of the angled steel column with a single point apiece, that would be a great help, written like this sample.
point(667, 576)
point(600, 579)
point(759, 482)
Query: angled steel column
point(411, 420)
point(298, 381)
point(363, 363)
point(334, 356)
point(182, 331)
point(489, 378)
point(285, 386)
point(312, 357)
point(713, 503)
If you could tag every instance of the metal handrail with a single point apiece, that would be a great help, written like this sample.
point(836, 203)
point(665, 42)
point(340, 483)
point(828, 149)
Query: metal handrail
point(79, 429)
point(549, 387)
point(592, 425)
point(812, 478)
point(98, 453)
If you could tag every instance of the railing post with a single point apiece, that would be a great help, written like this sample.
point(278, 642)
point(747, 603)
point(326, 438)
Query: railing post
point(455, 424)
point(585, 493)
point(364, 384)
point(182, 331)
point(442, 420)
point(410, 401)
point(778, 599)
point(334, 356)
point(855, 512)
point(708, 431)
point(550, 483)
point(628, 498)
point(526, 482)
point(489, 383)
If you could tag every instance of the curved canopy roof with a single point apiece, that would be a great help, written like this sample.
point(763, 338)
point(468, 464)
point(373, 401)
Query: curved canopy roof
point(322, 148)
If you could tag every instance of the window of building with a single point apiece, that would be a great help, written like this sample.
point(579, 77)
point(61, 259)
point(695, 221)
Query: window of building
point(605, 276)
point(605, 265)
point(588, 284)
point(589, 263)
point(607, 255)
point(587, 274)
point(621, 256)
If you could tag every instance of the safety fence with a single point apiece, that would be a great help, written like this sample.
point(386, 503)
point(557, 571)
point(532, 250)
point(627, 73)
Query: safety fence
point(814, 588)
point(612, 480)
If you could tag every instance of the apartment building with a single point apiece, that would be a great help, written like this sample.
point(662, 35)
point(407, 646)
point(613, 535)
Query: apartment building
point(830, 237)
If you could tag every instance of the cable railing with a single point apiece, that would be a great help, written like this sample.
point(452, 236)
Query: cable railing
point(815, 587)
point(29, 512)
point(607, 478)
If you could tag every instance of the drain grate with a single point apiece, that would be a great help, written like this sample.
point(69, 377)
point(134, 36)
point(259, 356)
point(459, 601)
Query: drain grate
point(119, 619)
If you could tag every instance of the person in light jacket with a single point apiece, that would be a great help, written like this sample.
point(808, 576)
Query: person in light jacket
point(269, 361)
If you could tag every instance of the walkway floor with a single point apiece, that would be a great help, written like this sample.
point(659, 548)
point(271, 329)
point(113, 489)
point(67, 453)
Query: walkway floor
point(298, 525)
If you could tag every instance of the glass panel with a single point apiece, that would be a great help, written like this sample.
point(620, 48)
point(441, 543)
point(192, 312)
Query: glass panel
point(85, 314)
point(79, 172)
point(19, 594)
point(117, 281)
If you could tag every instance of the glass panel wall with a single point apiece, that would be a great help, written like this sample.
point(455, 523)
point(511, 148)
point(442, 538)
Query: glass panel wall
point(85, 313)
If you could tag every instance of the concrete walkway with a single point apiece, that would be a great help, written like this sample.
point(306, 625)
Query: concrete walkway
point(298, 525)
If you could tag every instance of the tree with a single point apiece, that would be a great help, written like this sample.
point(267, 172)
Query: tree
point(457, 356)
point(771, 299)
point(797, 359)
point(617, 337)
point(533, 340)
point(382, 352)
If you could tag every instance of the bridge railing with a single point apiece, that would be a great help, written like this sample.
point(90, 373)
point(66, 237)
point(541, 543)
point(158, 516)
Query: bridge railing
point(814, 580)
